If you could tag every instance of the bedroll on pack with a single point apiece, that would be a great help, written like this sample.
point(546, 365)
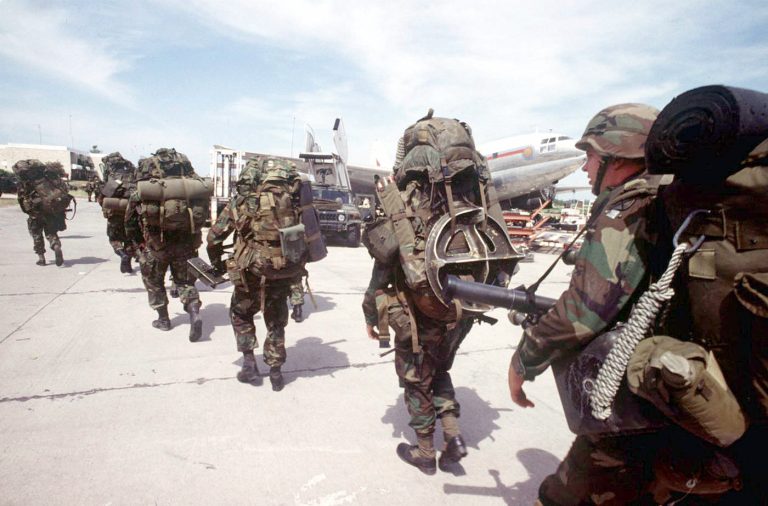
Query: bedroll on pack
point(114, 206)
point(175, 204)
point(314, 238)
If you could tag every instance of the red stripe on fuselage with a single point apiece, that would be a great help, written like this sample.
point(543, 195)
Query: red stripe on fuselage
point(518, 151)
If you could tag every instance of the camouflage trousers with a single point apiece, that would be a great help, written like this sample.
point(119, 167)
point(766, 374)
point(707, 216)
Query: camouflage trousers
point(117, 236)
point(155, 263)
point(427, 385)
point(48, 224)
point(297, 292)
point(606, 471)
point(246, 303)
point(656, 468)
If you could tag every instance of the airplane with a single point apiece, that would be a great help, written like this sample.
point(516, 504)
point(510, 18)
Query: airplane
point(524, 168)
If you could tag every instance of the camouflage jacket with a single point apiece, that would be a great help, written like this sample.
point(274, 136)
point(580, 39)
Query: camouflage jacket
point(220, 230)
point(381, 277)
point(153, 237)
point(610, 273)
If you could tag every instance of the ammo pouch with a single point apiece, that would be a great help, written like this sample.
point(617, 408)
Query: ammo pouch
point(292, 243)
point(380, 240)
point(685, 382)
point(111, 187)
point(236, 275)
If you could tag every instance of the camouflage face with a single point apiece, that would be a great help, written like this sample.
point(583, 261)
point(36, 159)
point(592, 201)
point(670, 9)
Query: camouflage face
point(619, 131)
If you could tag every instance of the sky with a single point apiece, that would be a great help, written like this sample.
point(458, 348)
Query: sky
point(134, 76)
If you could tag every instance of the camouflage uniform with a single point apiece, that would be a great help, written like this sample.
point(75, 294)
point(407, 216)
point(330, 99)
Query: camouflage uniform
point(610, 273)
point(160, 250)
point(252, 291)
point(117, 168)
point(40, 222)
point(427, 387)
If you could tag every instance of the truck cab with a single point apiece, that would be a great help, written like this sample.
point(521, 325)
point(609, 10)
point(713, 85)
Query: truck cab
point(340, 218)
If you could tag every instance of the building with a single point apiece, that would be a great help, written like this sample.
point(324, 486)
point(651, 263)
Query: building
point(75, 162)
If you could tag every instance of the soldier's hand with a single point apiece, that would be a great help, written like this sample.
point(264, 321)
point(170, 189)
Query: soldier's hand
point(516, 389)
point(372, 334)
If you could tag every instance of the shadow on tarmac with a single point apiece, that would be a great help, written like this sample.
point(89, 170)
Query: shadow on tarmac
point(538, 463)
point(69, 262)
point(213, 315)
point(75, 236)
point(309, 357)
point(323, 304)
point(476, 420)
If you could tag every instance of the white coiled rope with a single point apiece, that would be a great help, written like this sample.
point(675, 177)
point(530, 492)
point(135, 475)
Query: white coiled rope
point(640, 320)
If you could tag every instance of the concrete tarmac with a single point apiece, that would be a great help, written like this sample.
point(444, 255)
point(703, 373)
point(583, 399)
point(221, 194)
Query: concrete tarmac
point(97, 407)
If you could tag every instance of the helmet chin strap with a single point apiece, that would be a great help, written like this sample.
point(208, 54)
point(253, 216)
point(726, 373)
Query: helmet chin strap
point(601, 171)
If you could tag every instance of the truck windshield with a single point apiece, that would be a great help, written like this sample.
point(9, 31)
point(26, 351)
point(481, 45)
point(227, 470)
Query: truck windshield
point(328, 194)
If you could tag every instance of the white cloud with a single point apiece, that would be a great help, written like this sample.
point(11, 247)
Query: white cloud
point(50, 42)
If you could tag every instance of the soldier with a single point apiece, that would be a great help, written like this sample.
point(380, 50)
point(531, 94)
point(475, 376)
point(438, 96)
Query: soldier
point(167, 211)
point(261, 270)
point(120, 184)
point(91, 188)
point(43, 196)
point(611, 271)
point(714, 139)
point(427, 331)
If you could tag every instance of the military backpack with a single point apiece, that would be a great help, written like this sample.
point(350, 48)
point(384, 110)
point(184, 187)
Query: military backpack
point(271, 237)
point(46, 191)
point(439, 174)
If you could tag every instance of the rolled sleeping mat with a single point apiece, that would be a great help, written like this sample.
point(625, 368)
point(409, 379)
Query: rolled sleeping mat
point(158, 190)
point(703, 135)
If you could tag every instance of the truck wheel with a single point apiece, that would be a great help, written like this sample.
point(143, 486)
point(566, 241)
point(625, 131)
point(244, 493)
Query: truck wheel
point(353, 237)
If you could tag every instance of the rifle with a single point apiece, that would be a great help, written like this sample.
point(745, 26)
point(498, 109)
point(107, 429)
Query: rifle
point(575, 374)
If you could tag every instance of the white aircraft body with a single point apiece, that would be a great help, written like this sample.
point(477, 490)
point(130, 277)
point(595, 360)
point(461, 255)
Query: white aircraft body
point(526, 167)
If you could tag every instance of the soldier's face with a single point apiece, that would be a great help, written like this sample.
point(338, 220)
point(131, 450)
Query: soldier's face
point(591, 166)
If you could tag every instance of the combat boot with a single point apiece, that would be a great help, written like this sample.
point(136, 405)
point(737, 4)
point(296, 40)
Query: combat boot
point(296, 314)
point(59, 255)
point(249, 373)
point(195, 322)
point(411, 455)
point(125, 262)
point(455, 450)
point(276, 378)
point(163, 321)
point(40, 259)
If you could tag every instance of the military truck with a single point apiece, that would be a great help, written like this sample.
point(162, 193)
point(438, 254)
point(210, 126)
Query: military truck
point(340, 218)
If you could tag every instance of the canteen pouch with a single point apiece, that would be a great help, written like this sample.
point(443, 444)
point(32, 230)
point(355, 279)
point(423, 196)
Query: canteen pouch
point(684, 381)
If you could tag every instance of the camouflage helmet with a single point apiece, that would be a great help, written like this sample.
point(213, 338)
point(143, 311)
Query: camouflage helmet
point(250, 177)
point(28, 170)
point(619, 131)
point(276, 169)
